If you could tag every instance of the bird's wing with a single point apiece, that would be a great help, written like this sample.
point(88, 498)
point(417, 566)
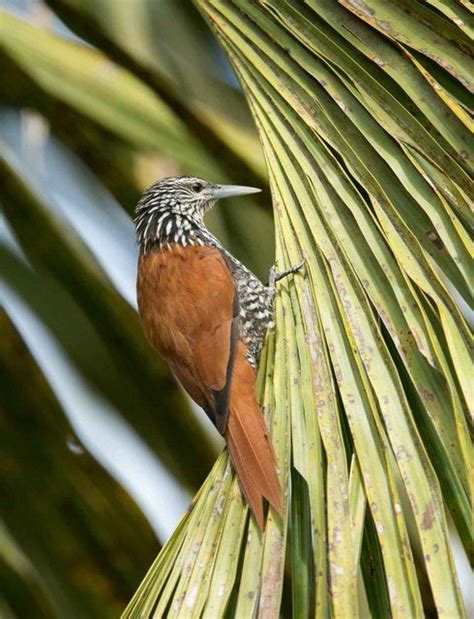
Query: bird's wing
point(213, 332)
point(189, 310)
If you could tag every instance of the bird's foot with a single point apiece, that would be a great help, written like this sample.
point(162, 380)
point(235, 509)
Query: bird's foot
point(275, 276)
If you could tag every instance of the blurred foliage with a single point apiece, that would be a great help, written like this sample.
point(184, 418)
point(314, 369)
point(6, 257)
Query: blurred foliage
point(73, 522)
point(363, 112)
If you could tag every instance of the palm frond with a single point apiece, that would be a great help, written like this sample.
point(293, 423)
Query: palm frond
point(365, 380)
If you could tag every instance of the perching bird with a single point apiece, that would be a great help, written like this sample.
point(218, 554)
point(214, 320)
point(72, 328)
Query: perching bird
point(207, 315)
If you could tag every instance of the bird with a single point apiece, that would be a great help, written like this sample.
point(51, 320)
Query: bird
point(207, 315)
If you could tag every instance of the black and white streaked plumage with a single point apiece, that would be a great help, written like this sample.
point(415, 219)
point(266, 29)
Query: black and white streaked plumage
point(172, 212)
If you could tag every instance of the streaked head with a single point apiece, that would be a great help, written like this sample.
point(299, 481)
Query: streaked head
point(179, 201)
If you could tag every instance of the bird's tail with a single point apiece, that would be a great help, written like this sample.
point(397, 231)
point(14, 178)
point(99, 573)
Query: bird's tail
point(249, 445)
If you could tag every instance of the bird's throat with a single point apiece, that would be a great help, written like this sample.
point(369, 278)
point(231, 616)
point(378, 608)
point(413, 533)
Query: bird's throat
point(164, 228)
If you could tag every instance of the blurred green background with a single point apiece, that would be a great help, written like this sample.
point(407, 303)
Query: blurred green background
point(100, 451)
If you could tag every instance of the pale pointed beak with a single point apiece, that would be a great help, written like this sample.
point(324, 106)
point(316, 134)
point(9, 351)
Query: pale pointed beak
point(232, 191)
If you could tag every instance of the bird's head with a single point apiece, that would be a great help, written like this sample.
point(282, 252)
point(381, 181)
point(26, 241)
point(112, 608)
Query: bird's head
point(172, 205)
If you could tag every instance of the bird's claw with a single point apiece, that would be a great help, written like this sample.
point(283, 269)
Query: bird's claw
point(275, 276)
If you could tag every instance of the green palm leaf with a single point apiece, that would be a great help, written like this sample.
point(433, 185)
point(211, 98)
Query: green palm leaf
point(365, 380)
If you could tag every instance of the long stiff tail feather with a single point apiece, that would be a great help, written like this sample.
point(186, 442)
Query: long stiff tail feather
point(249, 445)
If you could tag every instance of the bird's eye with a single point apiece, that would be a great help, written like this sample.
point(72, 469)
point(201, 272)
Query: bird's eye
point(197, 187)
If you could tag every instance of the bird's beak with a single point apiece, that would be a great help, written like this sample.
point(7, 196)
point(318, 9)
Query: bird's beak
point(232, 191)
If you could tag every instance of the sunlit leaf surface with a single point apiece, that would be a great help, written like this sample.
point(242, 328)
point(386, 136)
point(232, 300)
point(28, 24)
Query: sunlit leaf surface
point(365, 377)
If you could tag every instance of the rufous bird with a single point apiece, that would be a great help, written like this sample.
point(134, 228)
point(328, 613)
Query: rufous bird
point(207, 315)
